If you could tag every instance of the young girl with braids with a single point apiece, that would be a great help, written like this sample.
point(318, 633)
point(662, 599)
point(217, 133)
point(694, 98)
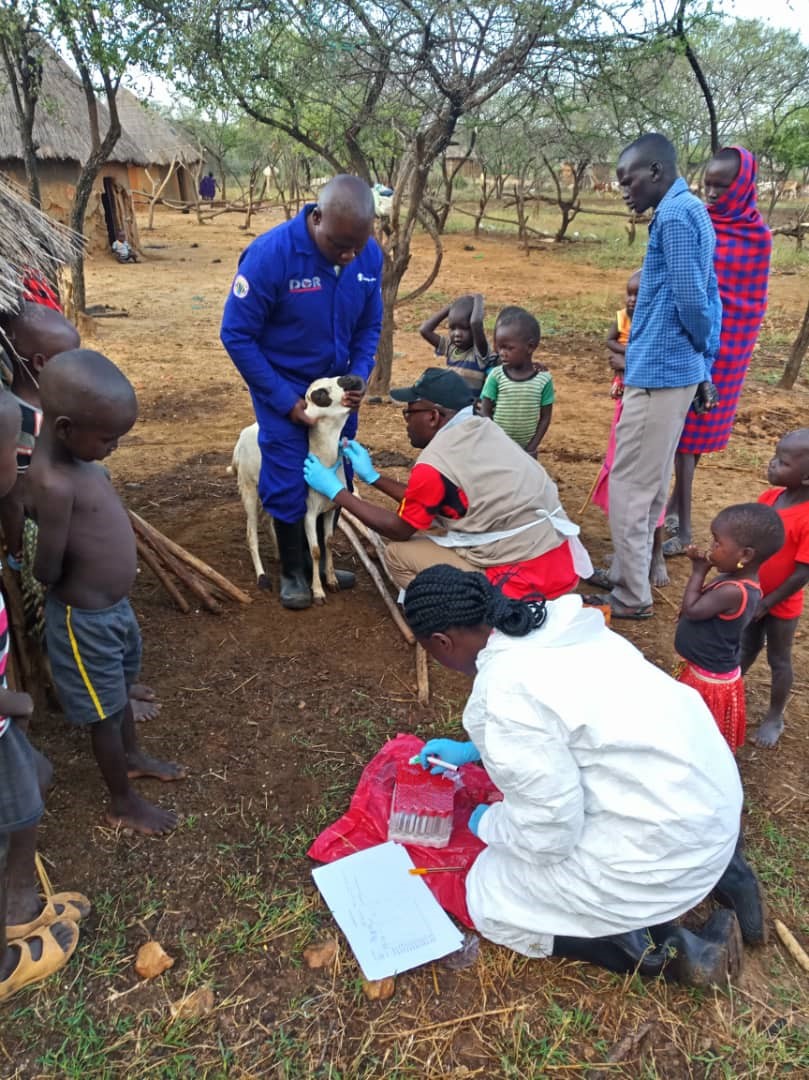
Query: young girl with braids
point(618, 815)
point(714, 617)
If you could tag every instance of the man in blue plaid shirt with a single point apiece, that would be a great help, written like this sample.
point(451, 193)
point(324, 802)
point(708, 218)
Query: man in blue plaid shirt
point(674, 338)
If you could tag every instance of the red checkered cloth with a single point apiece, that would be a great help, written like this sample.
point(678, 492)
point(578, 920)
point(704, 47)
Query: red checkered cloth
point(38, 291)
point(742, 263)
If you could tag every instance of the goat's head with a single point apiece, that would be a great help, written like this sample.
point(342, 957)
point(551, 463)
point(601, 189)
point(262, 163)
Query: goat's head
point(326, 395)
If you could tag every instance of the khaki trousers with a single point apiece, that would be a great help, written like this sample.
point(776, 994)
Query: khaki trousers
point(645, 443)
point(406, 558)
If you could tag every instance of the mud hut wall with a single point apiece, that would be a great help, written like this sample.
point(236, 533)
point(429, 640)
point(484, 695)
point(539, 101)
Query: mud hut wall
point(57, 181)
point(176, 189)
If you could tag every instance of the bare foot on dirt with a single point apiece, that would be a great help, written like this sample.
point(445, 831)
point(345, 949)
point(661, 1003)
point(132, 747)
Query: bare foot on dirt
point(141, 816)
point(769, 732)
point(141, 765)
point(658, 574)
point(143, 700)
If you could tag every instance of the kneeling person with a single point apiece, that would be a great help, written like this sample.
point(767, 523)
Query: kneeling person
point(499, 510)
point(86, 556)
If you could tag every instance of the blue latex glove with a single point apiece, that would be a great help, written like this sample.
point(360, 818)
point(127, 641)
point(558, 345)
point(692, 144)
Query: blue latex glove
point(13, 563)
point(475, 816)
point(360, 461)
point(456, 753)
point(322, 479)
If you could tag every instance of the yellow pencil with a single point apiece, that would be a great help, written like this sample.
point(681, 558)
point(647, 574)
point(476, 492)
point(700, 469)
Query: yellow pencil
point(421, 870)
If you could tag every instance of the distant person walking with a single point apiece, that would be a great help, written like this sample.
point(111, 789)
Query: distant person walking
point(742, 263)
point(674, 337)
point(207, 187)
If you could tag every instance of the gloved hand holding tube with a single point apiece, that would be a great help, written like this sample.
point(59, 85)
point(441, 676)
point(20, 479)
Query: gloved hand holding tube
point(452, 751)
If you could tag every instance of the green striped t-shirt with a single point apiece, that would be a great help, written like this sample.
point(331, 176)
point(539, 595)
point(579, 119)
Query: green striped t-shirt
point(517, 403)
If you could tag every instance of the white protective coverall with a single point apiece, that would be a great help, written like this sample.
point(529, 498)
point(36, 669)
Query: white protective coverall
point(621, 797)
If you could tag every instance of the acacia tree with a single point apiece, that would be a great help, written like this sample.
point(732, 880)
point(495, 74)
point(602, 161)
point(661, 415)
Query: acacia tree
point(364, 83)
point(21, 53)
point(103, 41)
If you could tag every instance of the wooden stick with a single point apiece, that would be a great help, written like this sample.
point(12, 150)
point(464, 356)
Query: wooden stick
point(792, 945)
point(188, 578)
point(591, 492)
point(373, 539)
point(150, 558)
point(185, 574)
point(422, 675)
point(42, 873)
point(376, 577)
point(659, 592)
point(149, 532)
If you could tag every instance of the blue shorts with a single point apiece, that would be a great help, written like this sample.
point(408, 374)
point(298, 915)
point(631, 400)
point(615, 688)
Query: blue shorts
point(94, 657)
point(20, 798)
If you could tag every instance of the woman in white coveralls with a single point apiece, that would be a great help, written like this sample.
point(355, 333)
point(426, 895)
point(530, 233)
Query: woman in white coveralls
point(621, 799)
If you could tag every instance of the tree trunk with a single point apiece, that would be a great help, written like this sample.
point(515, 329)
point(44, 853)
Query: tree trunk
point(379, 383)
point(797, 354)
point(84, 189)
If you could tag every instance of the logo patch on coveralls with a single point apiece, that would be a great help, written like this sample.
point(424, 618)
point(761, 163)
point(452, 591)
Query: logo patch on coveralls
point(241, 286)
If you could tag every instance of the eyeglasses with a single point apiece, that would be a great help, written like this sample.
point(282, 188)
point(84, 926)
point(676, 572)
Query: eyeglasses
point(407, 412)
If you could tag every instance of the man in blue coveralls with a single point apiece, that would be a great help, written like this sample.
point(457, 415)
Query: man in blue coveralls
point(305, 304)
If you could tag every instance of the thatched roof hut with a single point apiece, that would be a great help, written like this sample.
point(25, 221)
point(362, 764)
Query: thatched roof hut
point(29, 241)
point(62, 138)
point(161, 143)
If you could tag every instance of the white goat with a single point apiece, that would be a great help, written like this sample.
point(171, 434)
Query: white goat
point(245, 466)
point(324, 402)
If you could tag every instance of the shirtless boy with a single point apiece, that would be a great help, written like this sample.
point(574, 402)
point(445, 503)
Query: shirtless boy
point(86, 557)
point(36, 334)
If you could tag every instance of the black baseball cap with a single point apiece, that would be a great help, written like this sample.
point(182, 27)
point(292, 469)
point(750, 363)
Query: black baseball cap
point(440, 386)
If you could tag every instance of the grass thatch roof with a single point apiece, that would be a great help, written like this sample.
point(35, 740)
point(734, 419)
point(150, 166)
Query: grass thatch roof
point(29, 240)
point(61, 126)
point(160, 142)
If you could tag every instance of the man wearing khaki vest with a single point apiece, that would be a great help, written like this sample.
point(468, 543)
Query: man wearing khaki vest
point(474, 498)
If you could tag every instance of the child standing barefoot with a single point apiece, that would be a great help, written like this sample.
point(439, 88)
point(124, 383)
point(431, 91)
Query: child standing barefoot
point(518, 396)
point(782, 578)
point(86, 556)
point(714, 616)
point(464, 347)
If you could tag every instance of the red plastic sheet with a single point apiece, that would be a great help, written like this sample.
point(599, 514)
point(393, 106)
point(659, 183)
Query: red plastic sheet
point(366, 823)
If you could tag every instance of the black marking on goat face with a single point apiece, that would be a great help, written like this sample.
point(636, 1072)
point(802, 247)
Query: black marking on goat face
point(321, 397)
point(351, 382)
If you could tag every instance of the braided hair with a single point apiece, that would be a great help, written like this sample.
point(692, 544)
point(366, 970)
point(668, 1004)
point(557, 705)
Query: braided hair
point(442, 596)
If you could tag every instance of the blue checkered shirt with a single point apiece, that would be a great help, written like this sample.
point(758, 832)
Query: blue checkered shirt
point(676, 323)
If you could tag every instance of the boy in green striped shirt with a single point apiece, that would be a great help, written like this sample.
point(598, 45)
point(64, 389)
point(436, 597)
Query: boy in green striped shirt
point(516, 395)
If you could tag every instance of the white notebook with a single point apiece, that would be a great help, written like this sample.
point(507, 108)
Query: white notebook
point(391, 919)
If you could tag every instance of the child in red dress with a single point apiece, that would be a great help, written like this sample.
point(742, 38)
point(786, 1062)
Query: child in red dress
point(782, 578)
point(714, 616)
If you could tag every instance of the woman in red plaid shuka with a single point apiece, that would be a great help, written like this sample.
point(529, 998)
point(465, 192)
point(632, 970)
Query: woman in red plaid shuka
point(742, 263)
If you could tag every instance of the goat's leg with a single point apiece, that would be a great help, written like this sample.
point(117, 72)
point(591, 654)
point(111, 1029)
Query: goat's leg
point(251, 511)
point(328, 539)
point(273, 539)
point(310, 525)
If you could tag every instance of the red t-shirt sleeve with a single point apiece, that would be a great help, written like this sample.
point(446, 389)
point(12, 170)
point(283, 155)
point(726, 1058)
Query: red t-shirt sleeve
point(423, 497)
point(429, 493)
point(802, 550)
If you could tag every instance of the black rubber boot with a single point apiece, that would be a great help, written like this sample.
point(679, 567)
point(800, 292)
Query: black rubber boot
point(346, 579)
point(739, 889)
point(707, 958)
point(295, 592)
point(624, 953)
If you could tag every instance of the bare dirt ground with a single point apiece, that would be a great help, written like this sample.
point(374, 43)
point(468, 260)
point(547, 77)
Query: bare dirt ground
point(276, 712)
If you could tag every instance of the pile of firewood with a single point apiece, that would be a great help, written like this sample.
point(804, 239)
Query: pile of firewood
point(174, 567)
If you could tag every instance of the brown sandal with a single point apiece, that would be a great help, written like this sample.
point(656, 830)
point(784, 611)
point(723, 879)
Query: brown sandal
point(52, 959)
point(75, 907)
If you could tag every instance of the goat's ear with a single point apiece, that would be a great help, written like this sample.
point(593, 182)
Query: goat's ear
point(321, 397)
